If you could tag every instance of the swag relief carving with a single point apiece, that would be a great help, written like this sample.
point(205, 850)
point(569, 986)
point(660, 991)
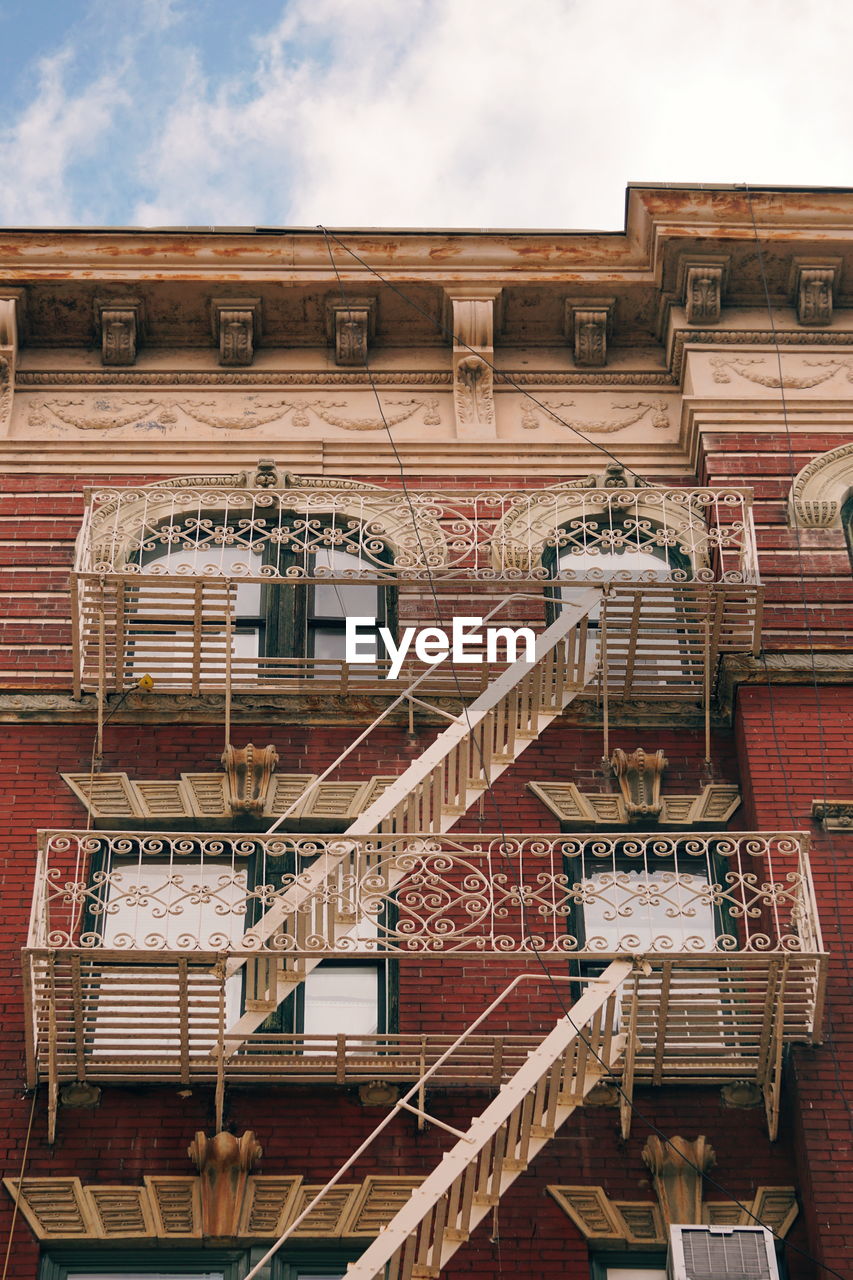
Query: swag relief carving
point(115, 412)
point(629, 415)
point(755, 369)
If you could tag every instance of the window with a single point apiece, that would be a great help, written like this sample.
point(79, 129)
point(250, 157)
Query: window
point(628, 1266)
point(296, 1262)
point(281, 618)
point(130, 1264)
point(155, 904)
point(356, 998)
point(657, 648)
point(660, 906)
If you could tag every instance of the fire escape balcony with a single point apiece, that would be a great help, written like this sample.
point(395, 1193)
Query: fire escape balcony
point(144, 947)
point(229, 589)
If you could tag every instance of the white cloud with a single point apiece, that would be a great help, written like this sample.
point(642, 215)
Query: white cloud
point(447, 112)
point(57, 130)
point(505, 112)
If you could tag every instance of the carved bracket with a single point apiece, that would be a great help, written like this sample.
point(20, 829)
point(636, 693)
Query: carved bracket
point(677, 1167)
point(248, 771)
point(588, 326)
point(701, 285)
point(813, 285)
point(639, 778)
point(236, 326)
point(470, 316)
point(119, 324)
point(833, 815)
point(11, 328)
point(703, 295)
point(351, 326)
point(224, 1163)
point(580, 811)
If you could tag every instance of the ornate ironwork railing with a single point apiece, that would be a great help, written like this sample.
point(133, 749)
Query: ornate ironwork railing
point(670, 894)
point(127, 968)
point(701, 535)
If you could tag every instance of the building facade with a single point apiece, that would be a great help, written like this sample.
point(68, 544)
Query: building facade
point(418, 959)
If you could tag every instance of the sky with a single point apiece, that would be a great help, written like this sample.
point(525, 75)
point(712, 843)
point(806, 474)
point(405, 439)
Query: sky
point(399, 113)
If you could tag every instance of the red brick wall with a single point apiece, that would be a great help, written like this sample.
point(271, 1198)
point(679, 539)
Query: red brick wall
point(794, 744)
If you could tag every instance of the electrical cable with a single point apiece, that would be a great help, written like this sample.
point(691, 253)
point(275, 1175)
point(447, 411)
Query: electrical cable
point(650, 1124)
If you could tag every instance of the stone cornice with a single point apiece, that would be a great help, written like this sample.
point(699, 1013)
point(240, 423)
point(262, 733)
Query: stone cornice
point(808, 667)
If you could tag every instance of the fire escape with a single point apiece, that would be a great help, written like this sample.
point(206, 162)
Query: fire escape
point(633, 594)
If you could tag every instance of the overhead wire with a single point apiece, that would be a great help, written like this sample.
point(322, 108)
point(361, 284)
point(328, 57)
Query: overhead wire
point(639, 1115)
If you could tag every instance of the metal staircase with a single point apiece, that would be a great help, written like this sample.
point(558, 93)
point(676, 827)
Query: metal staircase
point(500, 1143)
point(433, 793)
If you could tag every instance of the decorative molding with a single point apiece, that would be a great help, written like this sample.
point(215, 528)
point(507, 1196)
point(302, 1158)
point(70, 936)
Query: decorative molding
point(703, 294)
point(605, 1223)
point(351, 326)
point(833, 815)
point(471, 320)
point(225, 1201)
point(202, 798)
point(7, 387)
point(118, 321)
point(677, 1167)
point(236, 325)
point(11, 306)
point(579, 811)
point(683, 338)
point(821, 488)
point(743, 366)
point(224, 1163)
point(637, 410)
point(813, 283)
point(248, 774)
point(159, 415)
point(588, 324)
point(639, 776)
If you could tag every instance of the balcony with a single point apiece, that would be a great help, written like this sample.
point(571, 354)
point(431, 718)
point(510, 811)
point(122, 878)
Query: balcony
point(144, 948)
point(224, 588)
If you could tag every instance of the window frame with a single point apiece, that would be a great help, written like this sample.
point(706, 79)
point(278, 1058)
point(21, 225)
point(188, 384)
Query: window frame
point(287, 623)
point(58, 1263)
point(601, 1261)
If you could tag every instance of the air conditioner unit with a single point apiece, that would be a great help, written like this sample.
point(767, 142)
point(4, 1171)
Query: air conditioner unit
point(721, 1253)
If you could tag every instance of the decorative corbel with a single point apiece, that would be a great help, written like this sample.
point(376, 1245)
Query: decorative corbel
point(833, 815)
point(813, 285)
point(119, 324)
point(639, 777)
point(351, 326)
point(236, 324)
point(588, 326)
point(703, 295)
point(470, 317)
point(9, 330)
point(677, 1167)
point(700, 286)
point(224, 1163)
point(248, 771)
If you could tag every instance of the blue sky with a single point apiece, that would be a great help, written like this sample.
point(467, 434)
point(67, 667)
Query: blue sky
point(409, 112)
